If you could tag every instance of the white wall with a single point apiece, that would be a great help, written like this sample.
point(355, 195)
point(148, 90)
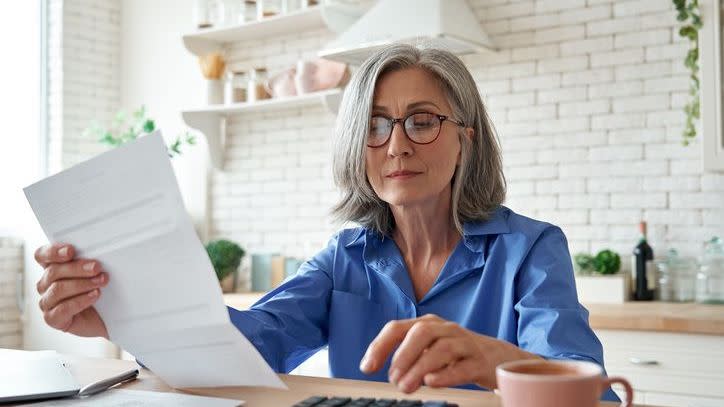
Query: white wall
point(587, 97)
point(157, 71)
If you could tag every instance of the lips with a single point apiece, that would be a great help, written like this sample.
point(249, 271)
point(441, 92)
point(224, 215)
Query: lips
point(402, 174)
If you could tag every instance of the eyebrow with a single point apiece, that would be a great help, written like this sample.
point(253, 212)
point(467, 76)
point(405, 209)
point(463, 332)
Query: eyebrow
point(409, 107)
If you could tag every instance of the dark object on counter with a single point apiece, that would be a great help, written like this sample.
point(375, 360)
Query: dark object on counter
point(643, 256)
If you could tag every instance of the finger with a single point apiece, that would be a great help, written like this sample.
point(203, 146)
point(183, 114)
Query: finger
point(54, 253)
point(455, 374)
point(443, 352)
point(422, 334)
point(62, 290)
point(389, 337)
point(61, 316)
point(73, 269)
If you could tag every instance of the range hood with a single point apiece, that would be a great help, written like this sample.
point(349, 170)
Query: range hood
point(446, 24)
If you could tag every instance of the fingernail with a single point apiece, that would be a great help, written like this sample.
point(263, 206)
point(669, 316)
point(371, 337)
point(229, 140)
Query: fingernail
point(93, 293)
point(394, 375)
point(98, 279)
point(405, 386)
point(63, 251)
point(364, 364)
point(89, 266)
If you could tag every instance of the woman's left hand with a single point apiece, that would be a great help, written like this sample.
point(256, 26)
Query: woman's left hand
point(437, 353)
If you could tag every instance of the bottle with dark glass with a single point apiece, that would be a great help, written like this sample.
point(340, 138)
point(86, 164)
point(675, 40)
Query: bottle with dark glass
point(642, 268)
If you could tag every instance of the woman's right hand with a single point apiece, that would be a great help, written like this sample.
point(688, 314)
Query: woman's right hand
point(69, 287)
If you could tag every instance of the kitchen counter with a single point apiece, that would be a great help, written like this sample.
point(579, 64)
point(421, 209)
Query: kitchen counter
point(685, 318)
point(637, 316)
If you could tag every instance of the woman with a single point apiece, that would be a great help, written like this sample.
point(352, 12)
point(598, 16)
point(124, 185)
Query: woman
point(439, 285)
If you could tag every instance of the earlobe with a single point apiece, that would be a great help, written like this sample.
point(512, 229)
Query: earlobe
point(469, 133)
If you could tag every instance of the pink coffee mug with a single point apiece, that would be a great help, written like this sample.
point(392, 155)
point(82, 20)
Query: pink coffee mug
point(543, 383)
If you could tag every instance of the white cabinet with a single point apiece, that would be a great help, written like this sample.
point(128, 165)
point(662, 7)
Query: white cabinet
point(667, 369)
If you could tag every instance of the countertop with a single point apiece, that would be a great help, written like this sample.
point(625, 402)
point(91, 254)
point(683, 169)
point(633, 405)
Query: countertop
point(690, 318)
point(653, 316)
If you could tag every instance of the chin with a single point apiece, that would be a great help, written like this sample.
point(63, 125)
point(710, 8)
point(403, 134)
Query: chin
point(404, 199)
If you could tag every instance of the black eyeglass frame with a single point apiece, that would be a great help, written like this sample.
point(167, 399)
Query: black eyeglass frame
point(402, 120)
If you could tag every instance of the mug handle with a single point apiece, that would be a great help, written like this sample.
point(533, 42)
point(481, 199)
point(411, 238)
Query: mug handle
point(626, 385)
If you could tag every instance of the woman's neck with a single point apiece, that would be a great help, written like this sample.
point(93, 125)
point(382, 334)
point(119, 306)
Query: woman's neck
point(425, 230)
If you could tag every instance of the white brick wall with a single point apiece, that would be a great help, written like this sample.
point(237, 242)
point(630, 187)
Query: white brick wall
point(83, 75)
point(586, 97)
point(11, 268)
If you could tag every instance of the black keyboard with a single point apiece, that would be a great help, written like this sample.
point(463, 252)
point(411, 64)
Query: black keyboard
point(321, 401)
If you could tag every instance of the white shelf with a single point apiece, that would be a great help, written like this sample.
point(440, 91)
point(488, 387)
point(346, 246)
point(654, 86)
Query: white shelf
point(211, 120)
point(337, 16)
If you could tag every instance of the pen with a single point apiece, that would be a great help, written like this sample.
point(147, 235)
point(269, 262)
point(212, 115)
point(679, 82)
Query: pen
point(105, 384)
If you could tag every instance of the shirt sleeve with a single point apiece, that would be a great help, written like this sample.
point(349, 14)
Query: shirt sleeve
point(290, 323)
point(551, 321)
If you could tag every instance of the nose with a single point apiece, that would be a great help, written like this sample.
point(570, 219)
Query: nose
point(399, 144)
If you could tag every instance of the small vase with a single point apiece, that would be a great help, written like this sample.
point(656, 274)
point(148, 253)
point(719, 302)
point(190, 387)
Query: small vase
point(228, 283)
point(214, 91)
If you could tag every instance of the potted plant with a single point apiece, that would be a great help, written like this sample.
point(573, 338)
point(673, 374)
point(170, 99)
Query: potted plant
point(125, 128)
point(598, 279)
point(225, 256)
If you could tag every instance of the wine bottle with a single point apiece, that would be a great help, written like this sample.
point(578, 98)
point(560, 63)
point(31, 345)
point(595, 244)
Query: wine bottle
point(643, 256)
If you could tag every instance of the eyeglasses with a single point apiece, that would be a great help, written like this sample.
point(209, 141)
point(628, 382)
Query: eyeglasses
point(420, 128)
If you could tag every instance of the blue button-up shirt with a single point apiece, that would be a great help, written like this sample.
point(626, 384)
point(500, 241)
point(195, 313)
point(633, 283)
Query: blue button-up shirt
point(509, 277)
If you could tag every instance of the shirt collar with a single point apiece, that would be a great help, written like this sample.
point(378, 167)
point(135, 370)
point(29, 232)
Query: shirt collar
point(496, 224)
point(383, 256)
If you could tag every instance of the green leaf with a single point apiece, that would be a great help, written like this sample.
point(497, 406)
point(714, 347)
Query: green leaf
point(607, 262)
point(140, 113)
point(149, 126)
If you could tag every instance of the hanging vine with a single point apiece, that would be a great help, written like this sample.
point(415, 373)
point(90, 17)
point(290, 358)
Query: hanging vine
point(690, 16)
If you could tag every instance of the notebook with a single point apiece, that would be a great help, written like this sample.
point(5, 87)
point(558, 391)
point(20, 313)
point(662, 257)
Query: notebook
point(27, 375)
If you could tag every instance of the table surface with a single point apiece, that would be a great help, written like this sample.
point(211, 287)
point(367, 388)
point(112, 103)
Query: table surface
point(87, 370)
point(654, 316)
point(687, 318)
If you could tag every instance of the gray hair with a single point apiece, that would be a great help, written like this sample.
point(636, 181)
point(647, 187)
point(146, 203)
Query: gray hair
point(478, 185)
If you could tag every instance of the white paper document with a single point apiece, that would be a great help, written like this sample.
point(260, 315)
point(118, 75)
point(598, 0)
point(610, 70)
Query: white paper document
point(133, 398)
point(163, 303)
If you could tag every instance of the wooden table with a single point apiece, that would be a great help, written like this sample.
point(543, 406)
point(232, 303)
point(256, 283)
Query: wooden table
point(87, 370)
point(685, 318)
point(638, 316)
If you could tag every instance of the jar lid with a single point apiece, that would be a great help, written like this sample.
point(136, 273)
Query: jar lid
point(674, 261)
point(714, 247)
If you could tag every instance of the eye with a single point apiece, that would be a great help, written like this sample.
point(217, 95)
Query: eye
point(422, 120)
point(379, 126)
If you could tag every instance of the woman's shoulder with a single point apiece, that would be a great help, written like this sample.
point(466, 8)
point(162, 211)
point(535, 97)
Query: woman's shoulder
point(506, 223)
point(348, 237)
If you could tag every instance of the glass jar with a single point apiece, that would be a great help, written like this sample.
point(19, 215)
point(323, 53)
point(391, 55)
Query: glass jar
point(267, 8)
point(256, 90)
point(247, 11)
point(217, 13)
point(201, 14)
point(232, 9)
point(710, 280)
point(236, 87)
point(290, 6)
point(309, 3)
point(676, 278)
